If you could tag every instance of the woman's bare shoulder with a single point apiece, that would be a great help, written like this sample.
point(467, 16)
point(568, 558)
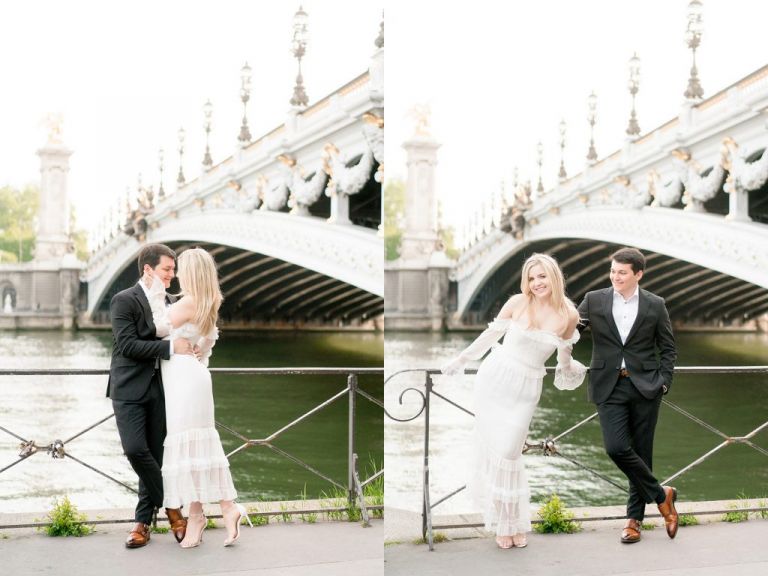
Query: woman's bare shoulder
point(573, 320)
point(513, 306)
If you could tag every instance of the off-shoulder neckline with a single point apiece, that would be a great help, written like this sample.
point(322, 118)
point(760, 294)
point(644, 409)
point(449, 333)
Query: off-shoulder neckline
point(541, 331)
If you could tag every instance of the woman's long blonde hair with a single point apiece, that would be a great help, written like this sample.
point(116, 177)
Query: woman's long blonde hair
point(560, 301)
point(201, 283)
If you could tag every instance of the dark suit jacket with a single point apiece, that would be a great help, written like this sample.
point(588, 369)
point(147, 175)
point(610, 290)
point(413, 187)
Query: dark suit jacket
point(651, 331)
point(136, 351)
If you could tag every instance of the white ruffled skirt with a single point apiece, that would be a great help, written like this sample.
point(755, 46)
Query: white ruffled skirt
point(195, 468)
point(506, 395)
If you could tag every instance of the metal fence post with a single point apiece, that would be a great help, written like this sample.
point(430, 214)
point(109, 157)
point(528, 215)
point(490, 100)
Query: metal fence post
point(352, 385)
point(426, 516)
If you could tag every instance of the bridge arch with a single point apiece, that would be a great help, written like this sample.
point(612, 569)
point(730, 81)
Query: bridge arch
point(274, 268)
point(708, 268)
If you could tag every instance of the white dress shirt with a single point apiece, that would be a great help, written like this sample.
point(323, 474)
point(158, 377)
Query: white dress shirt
point(146, 293)
point(625, 314)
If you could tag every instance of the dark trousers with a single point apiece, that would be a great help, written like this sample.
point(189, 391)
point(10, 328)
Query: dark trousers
point(628, 420)
point(141, 425)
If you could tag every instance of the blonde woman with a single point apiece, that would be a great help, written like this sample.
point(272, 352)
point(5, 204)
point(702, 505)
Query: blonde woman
point(534, 324)
point(195, 468)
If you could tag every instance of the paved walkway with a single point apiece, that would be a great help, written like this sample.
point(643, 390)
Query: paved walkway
point(292, 549)
point(716, 549)
point(713, 548)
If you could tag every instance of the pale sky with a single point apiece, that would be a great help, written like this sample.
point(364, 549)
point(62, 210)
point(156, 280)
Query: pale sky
point(126, 75)
point(499, 77)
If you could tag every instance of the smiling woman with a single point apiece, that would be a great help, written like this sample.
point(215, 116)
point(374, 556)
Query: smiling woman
point(508, 385)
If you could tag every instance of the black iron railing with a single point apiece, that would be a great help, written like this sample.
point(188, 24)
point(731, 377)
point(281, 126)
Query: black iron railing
point(353, 484)
point(549, 446)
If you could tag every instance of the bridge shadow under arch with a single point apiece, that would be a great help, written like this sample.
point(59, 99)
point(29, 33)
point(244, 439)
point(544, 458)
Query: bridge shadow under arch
point(694, 294)
point(261, 291)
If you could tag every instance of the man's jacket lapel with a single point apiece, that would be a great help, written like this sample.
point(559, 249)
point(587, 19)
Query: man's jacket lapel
point(608, 311)
point(139, 294)
point(642, 309)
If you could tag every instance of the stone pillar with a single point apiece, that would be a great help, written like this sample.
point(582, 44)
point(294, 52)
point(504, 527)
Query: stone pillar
point(420, 235)
point(53, 239)
point(416, 284)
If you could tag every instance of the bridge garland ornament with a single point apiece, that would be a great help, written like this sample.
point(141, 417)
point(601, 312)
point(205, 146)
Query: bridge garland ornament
point(700, 189)
point(665, 193)
point(306, 191)
point(345, 179)
point(746, 175)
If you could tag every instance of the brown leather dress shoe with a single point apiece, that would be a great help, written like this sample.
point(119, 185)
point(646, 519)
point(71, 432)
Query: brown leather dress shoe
point(139, 536)
point(668, 511)
point(631, 532)
point(177, 522)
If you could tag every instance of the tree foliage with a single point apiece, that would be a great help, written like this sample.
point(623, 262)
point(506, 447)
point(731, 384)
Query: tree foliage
point(18, 211)
point(18, 222)
point(394, 219)
point(394, 208)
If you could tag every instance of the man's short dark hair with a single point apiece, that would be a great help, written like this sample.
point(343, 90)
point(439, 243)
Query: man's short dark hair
point(631, 256)
point(151, 253)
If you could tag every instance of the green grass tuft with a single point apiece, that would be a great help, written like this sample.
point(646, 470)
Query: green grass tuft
point(65, 520)
point(437, 538)
point(687, 520)
point(556, 518)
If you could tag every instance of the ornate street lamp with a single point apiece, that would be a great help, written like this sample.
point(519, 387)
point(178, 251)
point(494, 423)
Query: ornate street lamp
point(207, 112)
point(634, 85)
point(180, 178)
point(245, 95)
point(693, 39)
point(299, 48)
point(591, 118)
point(161, 160)
point(562, 175)
point(539, 160)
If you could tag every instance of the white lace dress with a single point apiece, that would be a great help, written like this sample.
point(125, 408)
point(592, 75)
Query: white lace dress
point(507, 390)
point(195, 468)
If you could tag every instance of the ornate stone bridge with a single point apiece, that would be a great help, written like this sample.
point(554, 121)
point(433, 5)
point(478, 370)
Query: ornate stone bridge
point(691, 194)
point(291, 218)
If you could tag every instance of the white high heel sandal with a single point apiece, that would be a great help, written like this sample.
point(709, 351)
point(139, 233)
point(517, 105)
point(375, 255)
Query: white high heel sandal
point(241, 512)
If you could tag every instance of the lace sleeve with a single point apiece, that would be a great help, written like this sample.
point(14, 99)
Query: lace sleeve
point(160, 318)
point(478, 348)
point(569, 373)
point(206, 343)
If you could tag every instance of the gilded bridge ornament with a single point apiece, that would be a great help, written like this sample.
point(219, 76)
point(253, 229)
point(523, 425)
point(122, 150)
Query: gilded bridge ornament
point(421, 113)
point(53, 121)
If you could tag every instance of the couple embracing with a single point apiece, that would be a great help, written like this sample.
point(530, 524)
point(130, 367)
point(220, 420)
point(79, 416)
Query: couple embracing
point(629, 326)
point(161, 393)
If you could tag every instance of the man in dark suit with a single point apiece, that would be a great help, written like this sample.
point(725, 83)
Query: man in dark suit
point(136, 388)
point(626, 381)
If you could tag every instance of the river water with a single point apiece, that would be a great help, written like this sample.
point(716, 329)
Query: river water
point(46, 408)
point(735, 405)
